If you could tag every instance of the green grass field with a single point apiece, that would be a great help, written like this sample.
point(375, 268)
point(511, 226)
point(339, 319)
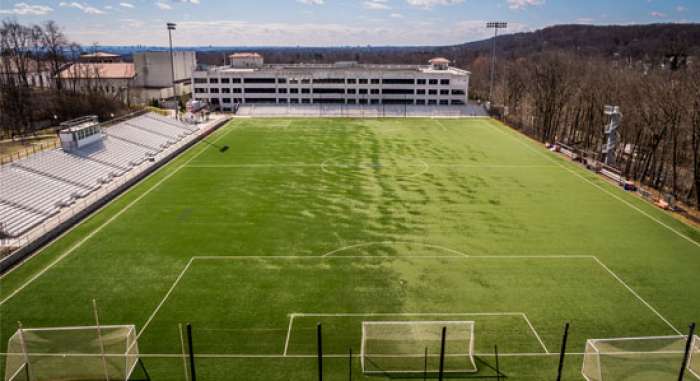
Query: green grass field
point(341, 221)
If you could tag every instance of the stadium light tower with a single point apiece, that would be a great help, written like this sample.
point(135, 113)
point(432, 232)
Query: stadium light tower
point(171, 28)
point(495, 25)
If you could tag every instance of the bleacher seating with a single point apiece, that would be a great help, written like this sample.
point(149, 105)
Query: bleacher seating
point(38, 187)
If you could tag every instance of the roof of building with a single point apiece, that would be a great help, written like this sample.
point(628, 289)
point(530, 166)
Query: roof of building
point(304, 69)
point(117, 70)
point(245, 55)
point(439, 61)
point(99, 55)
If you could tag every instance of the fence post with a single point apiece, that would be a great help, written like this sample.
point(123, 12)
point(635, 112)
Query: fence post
point(319, 342)
point(562, 353)
point(442, 354)
point(686, 356)
point(193, 374)
point(350, 364)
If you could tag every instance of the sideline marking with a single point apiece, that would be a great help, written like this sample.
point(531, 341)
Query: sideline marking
point(500, 127)
point(390, 243)
point(110, 220)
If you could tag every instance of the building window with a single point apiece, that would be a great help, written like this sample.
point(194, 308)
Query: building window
point(237, 90)
point(293, 81)
point(305, 91)
point(200, 90)
point(260, 80)
point(432, 102)
point(225, 80)
point(334, 81)
point(433, 82)
point(214, 90)
point(226, 100)
point(444, 81)
point(398, 91)
point(458, 92)
point(352, 81)
point(420, 101)
point(351, 91)
point(363, 81)
point(351, 101)
point(294, 100)
point(457, 102)
point(374, 101)
point(235, 80)
point(282, 91)
point(444, 102)
point(305, 82)
point(420, 81)
point(432, 92)
point(225, 90)
point(294, 91)
point(363, 91)
point(420, 92)
point(444, 92)
point(213, 80)
point(362, 101)
point(397, 81)
point(374, 91)
point(200, 80)
point(281, 80)
point(306, 100)
point(375, 81)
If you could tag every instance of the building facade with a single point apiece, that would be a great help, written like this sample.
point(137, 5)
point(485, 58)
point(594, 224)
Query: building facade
point(342, 83)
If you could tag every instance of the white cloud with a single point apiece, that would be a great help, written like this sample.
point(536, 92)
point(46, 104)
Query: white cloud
point(522, 4)
point(126, 5)
point(681, 9)
point(311, 2)
point(84, 7)
point(658, 14)
point(427, 4)
point(376, 5)
point(163, 5)
point(24, 9)
point(396, 16)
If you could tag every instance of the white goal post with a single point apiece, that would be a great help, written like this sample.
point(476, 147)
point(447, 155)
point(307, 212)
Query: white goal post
point(413, 347)
point(72, 353)
point(653, 358)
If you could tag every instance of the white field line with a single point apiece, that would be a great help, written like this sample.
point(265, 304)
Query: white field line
point(272, 356)
point(289, 334)
point(306, 165)
point(463, 257)
point(388, 243)
point(637, 296)
point(602, 189)
point(537, 335)
point(162, 301)
point(410, 314)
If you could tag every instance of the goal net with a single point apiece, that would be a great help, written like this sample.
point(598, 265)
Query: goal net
point(72, 353)
point(413, 347)
point(640, 358)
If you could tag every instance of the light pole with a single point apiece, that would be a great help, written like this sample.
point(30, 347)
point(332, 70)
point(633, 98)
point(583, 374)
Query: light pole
point(495, 25)
point(171, 28)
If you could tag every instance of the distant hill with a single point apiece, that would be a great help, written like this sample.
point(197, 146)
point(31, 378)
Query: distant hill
point(652, 42)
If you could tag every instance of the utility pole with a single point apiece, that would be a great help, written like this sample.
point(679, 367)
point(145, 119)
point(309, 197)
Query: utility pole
point(495, 25)
point(171, 28)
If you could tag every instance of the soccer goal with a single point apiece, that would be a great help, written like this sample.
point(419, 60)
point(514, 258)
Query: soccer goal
point(657, 358)
point(72, 353)
point(414, 347)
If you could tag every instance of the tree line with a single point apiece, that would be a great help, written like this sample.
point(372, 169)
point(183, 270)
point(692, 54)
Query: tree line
point(33, 94)
point(560, 97)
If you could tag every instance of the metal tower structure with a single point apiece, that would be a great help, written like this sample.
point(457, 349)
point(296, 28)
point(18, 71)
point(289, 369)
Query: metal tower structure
point(611, 134)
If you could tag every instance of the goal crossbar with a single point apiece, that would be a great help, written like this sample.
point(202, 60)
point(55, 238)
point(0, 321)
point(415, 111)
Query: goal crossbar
point(393, 347)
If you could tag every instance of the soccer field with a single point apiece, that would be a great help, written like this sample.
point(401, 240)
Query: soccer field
point(343, 221)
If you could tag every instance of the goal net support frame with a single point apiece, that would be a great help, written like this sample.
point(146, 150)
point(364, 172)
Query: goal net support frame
point(653, 358)
point(414, 347)
point(107, 352)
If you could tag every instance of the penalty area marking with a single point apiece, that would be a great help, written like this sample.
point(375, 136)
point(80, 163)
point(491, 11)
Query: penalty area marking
point(407, 314)
point(463, 257)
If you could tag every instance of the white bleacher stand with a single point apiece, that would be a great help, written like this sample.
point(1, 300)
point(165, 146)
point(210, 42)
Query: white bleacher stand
point(40, 186)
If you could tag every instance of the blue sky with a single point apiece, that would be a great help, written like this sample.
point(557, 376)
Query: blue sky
point(327, 22)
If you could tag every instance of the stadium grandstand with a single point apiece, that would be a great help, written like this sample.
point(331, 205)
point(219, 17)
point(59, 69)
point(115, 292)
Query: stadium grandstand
point(92, 161)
